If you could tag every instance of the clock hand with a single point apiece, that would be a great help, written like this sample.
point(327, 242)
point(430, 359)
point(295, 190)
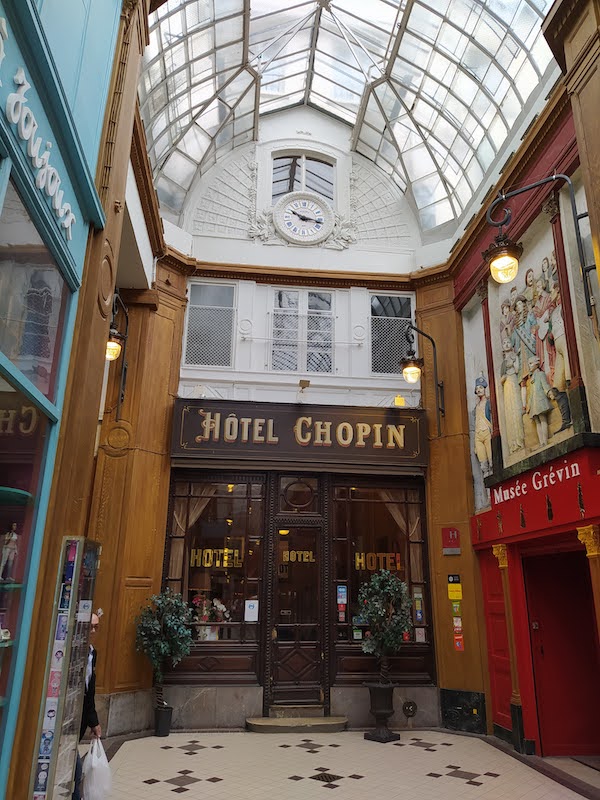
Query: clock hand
point(303, 217)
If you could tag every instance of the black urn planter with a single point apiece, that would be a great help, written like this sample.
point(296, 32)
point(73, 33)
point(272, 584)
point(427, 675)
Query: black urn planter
point(162, 720)
point(382, 708)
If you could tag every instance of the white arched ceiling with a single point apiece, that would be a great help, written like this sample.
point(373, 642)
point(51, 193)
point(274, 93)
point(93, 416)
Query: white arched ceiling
point(433, 89)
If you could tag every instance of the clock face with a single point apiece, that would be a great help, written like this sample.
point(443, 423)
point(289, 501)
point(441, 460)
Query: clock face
point(303, 218)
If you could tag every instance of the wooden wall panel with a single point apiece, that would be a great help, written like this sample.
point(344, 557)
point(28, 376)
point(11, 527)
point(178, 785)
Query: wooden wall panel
point(130, 665)
point(449, 495)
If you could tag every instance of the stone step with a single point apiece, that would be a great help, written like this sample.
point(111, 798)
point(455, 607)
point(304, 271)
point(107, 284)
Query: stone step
point(296, 724)
point(280, 711)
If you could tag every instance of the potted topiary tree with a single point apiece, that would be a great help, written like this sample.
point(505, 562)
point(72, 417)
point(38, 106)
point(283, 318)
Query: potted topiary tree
point(385, 606)
point(163, 634)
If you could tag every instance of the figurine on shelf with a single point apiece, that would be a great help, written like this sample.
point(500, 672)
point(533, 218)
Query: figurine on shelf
point(4, 635)
point(10, 550)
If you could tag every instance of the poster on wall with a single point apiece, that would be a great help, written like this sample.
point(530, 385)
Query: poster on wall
point(478, 401)
point(531, 364)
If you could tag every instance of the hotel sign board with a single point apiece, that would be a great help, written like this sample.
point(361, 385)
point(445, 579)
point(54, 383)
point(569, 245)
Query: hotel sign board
point(239, 430)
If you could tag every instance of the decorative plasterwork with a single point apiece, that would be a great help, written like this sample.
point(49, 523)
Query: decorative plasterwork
point(501, 553)
point(551, 206)
point(223, 209)
point(379, 219)
point(590, 537)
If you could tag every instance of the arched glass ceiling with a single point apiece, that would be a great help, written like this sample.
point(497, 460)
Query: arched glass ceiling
point(432, 88)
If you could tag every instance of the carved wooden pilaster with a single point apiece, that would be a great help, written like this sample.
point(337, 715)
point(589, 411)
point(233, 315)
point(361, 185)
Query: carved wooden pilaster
point(501, 553)
point(482, 292)
point(589, 535)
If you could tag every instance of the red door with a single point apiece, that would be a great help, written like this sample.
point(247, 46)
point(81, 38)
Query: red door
point(565, 650)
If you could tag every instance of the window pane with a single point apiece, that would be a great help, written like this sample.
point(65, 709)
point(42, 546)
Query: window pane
point(319, 178)
point(207, 294)
point(389, 344)
point(33, 297)
point(209, 336)
point(319, 301)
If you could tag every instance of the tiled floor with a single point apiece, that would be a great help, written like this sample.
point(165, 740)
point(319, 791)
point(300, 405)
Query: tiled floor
point(424, 765)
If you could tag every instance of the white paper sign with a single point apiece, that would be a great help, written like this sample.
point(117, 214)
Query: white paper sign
point(251, 611)
point(84, 611)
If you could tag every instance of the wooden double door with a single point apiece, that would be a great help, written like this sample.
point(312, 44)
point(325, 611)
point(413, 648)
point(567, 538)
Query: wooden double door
point(297, 646)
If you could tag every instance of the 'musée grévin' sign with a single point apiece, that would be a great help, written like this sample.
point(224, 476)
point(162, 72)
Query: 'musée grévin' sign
point(320, 434)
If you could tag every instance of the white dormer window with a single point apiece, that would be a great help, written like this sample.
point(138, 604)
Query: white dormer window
point(297, 173)
point(211, 313)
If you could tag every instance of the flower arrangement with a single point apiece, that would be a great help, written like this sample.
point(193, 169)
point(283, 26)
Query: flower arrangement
point(206, 611)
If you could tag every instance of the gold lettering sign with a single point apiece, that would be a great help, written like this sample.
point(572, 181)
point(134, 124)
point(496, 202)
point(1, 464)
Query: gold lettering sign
point(210, 557)
point(298, 556)
point(376, 561)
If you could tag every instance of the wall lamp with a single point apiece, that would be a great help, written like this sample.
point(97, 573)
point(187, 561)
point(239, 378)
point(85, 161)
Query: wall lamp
point(412, 367)
point(117, 343)
point(502, 256)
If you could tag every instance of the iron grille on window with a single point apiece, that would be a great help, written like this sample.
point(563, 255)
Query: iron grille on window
point(390, 317)
point(210, 326)
point(302, 342)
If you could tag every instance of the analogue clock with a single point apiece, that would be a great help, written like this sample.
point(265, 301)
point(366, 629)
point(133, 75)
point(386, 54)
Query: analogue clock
point(303, 218)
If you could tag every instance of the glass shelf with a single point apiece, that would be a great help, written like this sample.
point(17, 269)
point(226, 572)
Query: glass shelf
point(7, 643)
point(9, 586)
point(3, 701)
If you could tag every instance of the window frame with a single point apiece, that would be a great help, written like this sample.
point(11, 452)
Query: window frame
point(303, 156)
point(302, 338)
point(406, 295)
point(234, 309)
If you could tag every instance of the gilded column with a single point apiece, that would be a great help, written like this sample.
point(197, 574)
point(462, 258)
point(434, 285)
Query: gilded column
point(516, 712)
point(590, 537)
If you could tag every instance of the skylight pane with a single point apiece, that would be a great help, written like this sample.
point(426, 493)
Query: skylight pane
point(435, 215)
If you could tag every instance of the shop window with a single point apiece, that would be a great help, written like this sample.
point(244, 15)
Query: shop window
point(33, 297)
point(211, 314)
point(389, 345)
point(214, 556)
point(299, 172)
point(378, 528)
point(23, 432)
point(303, 331)
point(298, 495)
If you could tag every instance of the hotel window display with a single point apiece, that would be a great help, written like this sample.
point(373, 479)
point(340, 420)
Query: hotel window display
point(374, 529)
point(23, 431)
point(214, 555)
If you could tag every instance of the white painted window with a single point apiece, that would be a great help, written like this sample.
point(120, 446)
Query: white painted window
point(303, 331)
point(389, 344)
point(211, 314)
point(295, 173)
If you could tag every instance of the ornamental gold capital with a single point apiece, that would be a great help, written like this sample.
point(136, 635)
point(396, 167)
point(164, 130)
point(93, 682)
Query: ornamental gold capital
point(501, 553)
point(589, 535)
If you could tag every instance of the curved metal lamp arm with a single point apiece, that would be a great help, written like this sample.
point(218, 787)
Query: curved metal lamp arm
point(439, 385)
point(119, 305)
point(585, 269)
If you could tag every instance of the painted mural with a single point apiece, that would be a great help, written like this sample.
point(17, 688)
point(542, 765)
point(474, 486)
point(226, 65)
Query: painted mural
point(478, 401)
point(530, 353)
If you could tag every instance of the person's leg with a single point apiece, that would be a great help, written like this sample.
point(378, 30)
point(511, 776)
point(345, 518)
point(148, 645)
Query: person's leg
point(78, 774)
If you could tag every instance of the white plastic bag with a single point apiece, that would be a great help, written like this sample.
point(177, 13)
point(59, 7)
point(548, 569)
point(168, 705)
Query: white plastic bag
point(97, 778)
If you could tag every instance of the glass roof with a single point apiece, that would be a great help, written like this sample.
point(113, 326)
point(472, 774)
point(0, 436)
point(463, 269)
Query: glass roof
point(431, 88)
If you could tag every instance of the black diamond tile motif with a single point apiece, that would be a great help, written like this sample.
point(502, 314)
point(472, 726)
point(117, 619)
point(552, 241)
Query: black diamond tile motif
point(326, 777)
point(185, 771)
point(295, 778)
point(182, 780)
point(312, 751)
point(285, 745)
point(463, 774)
point(335, 745)
point(191, 746)
point(193, 741)
point(433, 775)
point(217, 747)
point(214, 780)
point(426, 745)
point(356, 777)
point(452, 766)
point(446, 744)
point(321, 769)
point(398, 744)
point(180, 789)
point(166, 747)
point(474, 783)
point(331, 785)
point(492, 774)
point(152, 780)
